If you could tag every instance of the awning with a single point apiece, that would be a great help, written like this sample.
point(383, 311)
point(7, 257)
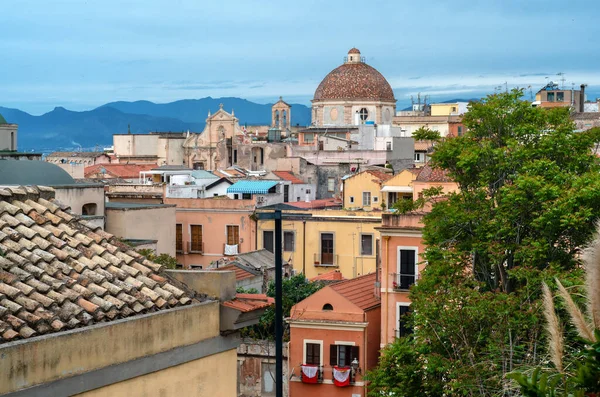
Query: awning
point(251, 187)
point(397, 189)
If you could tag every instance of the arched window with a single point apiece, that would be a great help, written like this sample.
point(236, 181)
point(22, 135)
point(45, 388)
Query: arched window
point(89, 209)
point(327, 307)
point(364, 114)
point(276, 119)
point(284, 119)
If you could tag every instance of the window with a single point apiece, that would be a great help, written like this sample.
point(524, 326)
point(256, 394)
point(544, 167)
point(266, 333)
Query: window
point(246, 196)
point(233, 234)
point(327, 307)
point(262, 156)
point(286, 193)
point(268, 240)
point(312, 352)
point(89, 209)
point(375, 199)
point(366, 244)
point(388, 146)
point(560, 97)
point(196, 238)
point(460, 131)
point(288, 241)
point(419, 157)
point(331, 184)
point(351, 199)
point(179, 237)
point(453, 109)
point(403, 328)
point(309, 137)
point(366, 199)
point(235, 156)
point(550, 97)
point(407, 267)
point(342, 355)
point(236, 196)
point(268, 379)
point(327, 249)
point(363, 114)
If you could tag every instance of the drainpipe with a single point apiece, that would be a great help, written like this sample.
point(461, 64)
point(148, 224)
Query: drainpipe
point(387, 246)
point(304, 247)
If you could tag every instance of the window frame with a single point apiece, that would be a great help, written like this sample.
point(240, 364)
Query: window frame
point(227, 233)
point(306, 135)
point(272, 239)
point(397, 329)
point(351, 199)
point(362, 253)
point(293, 233)
point(320, 252)
point(398, 258)
point(197, 248)
point(304, 350)
point(179, 237)
point(331, 185)
point(363, 199)
point(349, 347)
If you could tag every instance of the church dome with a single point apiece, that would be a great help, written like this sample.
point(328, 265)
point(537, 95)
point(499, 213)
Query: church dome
point(2, 120)
point(33, 172)
point(354, 80)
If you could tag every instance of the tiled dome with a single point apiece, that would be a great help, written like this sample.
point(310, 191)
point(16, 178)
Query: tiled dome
point(354, 81)
point(354, 50)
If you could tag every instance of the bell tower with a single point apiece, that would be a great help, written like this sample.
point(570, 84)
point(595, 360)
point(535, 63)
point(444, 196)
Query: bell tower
point(281, 115)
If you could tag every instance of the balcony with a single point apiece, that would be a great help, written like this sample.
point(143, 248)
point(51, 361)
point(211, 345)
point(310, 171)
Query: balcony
point(311, 374)
point(402, 282)
point(325, 260)
point(195, 247)
point(405, 221)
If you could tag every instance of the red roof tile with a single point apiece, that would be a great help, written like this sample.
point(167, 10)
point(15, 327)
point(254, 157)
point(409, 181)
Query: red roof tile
point(359, 290)
point(249, 302)
point(317, 204)
point(288, 176)
point(382, 176)
point(429, 174)
point(118, 170)
point(329, 276)
point(240, 273)
point(423, 145)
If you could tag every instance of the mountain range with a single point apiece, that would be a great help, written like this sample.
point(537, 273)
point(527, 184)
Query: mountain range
point(62, 129)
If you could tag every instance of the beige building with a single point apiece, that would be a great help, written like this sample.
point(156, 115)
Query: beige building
point(155, 222)
point(162, 148)
point(95, 318)
point(8, 135)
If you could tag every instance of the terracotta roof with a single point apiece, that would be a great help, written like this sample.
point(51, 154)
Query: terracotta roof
point(75, 154)
point(249, 302)
point(382, 176)
point(359, 290)
point(423, 145)
point(329, 276)
point(316, 204)
point(428, 174)
point(58, 272)
point(289, 176)
point(118, 170)
point(240, 272)
point(354, 50)
point(228, 173)
point(354, 81)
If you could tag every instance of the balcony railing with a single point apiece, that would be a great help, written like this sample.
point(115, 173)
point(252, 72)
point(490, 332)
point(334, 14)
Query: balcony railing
point(402, 282)
point(195, 248)
point(313, 380)
point(325, 259)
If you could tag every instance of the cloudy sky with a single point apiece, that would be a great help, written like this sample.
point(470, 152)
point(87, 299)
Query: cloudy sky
point(80, 54)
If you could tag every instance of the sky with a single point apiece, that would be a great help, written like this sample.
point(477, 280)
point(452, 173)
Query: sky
point(81, 54)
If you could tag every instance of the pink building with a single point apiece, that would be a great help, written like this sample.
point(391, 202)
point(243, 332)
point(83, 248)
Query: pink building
point(210, 229)
point(335, 339)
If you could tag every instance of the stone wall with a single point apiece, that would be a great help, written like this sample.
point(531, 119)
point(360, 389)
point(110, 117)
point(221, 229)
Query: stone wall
point(256, 369)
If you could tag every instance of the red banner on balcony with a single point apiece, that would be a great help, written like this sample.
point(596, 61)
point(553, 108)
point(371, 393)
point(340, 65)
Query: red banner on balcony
point(341, 376)
point(310, 373)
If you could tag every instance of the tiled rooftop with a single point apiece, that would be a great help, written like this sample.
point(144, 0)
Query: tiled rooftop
point(249, 302)
point(334, 275)
point(118, 170)
point(429, 174)
point(241, 273)
point(288, 176)
point(359, 290)
point(58, 272)
point(75, 154)
point(317, 204)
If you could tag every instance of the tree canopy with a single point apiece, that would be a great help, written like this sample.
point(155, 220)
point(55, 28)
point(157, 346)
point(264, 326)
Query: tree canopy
point(529, 196)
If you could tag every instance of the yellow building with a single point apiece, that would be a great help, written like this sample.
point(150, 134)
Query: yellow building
point(363, 190)
point(448, 109)
point(399, 187)
point(317, 241)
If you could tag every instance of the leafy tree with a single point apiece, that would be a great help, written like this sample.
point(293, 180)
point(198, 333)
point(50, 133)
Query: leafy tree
point(163, 259)
point(426, 134)
point(294, 290)
point(529, 195)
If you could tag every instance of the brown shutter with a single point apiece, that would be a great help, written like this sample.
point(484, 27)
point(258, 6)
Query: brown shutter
point(179, 237)
point(196, 237)
point(332, 354)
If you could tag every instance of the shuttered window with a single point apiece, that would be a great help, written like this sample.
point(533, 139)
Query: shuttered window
point(179, 238)
point(342, 355)
point(196, 238)
point(233, 234)
point(313, 354)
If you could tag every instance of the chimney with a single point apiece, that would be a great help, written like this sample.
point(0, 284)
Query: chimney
point(581, 98)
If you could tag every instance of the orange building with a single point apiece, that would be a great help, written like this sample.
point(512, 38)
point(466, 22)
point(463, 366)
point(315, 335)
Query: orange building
point(335, 339)
point(210, 229)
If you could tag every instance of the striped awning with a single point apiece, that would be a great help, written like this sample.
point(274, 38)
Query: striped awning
point(252, 187)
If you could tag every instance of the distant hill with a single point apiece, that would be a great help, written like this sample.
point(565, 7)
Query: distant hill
point(196, 110)
point(65, 129)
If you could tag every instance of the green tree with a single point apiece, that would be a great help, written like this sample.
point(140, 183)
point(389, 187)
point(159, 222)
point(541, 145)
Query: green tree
point(163, 259)
point(529, 196)
point(294, 290)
